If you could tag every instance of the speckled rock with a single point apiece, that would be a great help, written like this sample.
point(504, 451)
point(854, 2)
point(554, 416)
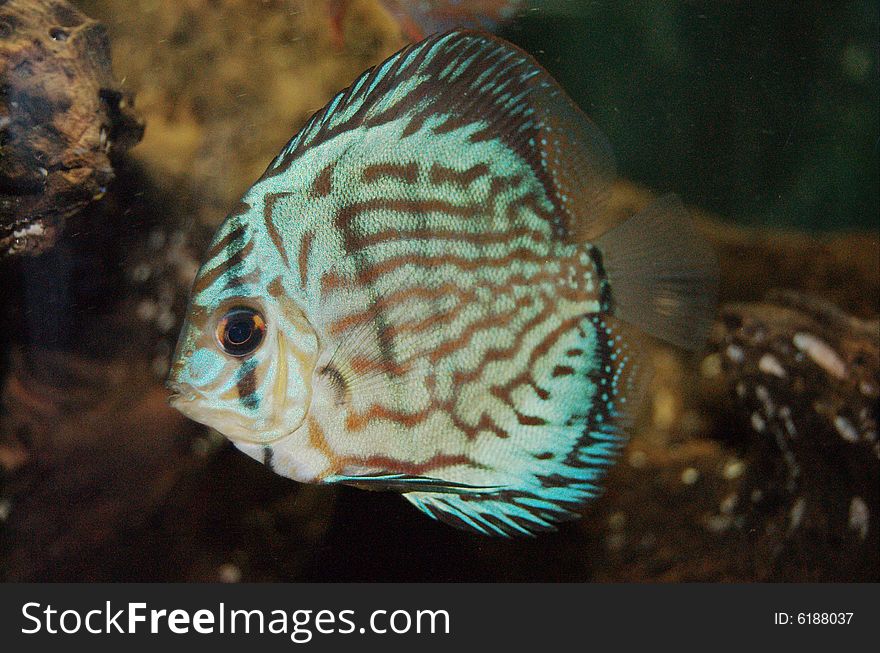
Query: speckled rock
point(797, 381)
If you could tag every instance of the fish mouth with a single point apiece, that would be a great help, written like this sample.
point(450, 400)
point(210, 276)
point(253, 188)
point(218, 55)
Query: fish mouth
point(180, 394)
point(195, 405)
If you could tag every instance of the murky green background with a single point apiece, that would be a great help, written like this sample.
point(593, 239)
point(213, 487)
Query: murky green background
point(764, 112)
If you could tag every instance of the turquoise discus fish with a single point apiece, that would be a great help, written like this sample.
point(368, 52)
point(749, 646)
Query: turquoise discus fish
point(423, 294)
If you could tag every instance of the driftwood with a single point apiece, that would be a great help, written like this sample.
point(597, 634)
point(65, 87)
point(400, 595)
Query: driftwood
point(63, 118)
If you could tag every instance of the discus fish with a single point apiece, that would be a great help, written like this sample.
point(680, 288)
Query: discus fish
point(404, 300)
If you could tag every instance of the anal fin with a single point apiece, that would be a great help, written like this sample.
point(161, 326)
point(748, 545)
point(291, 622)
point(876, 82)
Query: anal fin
point(507, 513)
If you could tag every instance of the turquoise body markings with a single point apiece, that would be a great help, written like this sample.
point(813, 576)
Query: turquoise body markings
point(424, 294)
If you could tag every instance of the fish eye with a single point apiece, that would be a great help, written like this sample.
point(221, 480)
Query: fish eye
point(240, 331)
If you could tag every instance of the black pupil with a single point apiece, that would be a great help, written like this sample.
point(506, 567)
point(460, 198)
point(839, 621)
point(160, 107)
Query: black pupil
point(240, 330)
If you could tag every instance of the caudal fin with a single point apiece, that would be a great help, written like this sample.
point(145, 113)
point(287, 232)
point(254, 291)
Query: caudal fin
point(662, 274)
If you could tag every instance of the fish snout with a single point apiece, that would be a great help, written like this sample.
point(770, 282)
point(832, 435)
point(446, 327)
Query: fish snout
point(180, 392)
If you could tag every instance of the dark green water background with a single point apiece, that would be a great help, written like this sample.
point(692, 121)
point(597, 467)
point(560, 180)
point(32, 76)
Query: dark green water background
point(765, 112)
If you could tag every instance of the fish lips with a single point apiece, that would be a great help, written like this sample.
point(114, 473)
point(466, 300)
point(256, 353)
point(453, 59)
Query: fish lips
point(234, 427)
point(180, 394)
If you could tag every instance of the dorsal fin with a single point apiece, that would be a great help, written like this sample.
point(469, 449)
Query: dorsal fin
point(488, 89)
